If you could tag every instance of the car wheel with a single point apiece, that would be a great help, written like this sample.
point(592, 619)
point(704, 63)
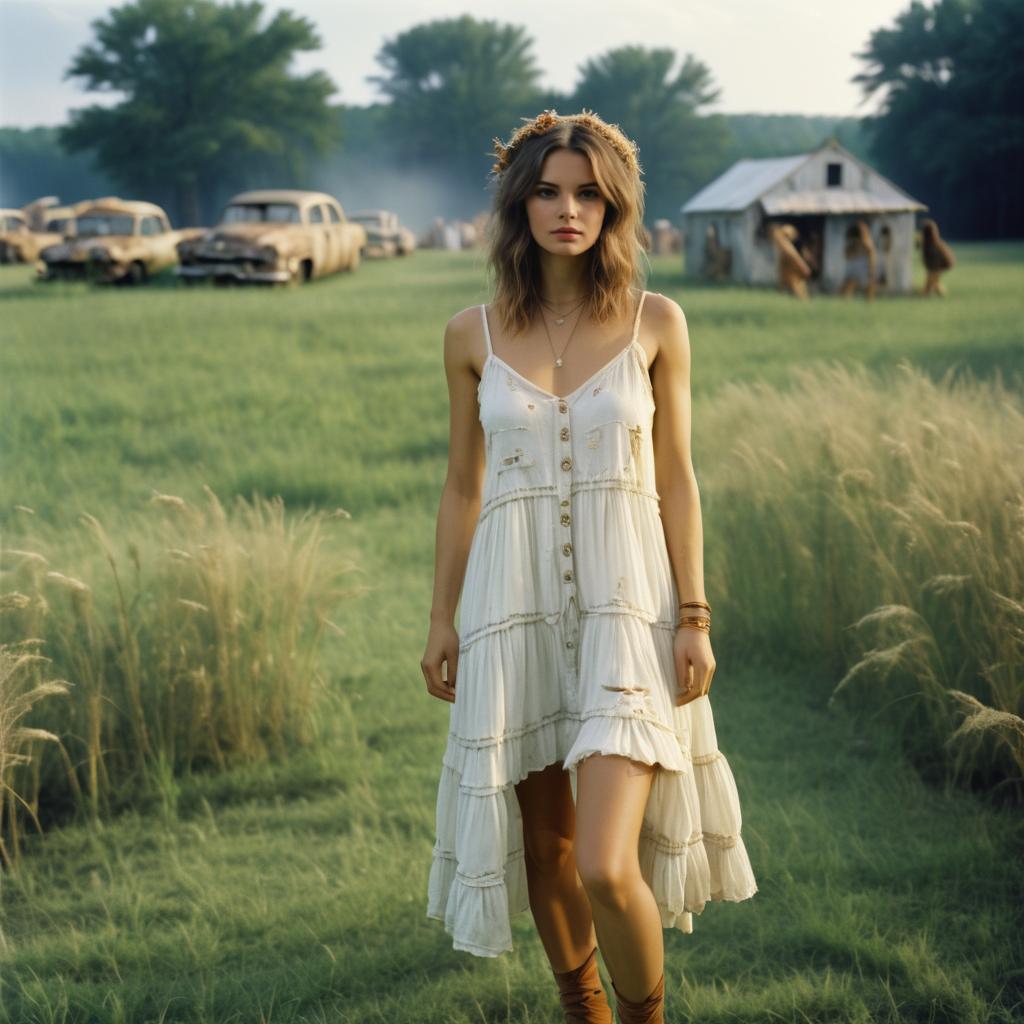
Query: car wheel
point(306, 271)
point(136, 273)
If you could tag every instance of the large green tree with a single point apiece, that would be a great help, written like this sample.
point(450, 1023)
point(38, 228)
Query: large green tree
point(208, 100)
point(680, 148)
point(950, 126)
point(454, 84)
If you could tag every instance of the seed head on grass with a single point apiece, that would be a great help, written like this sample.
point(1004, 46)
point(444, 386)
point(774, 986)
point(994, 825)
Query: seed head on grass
point(168, 500)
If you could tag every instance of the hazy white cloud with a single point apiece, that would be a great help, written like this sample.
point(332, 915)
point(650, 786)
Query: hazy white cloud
point(788, 56)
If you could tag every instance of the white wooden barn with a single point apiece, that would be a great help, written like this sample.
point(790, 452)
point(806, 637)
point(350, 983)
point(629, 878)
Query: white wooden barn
point(822, 194)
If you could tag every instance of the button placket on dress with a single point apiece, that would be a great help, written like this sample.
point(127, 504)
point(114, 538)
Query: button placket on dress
point(566, 563)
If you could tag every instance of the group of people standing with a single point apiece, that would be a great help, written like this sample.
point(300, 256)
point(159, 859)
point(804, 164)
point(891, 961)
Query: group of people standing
point(799, 258)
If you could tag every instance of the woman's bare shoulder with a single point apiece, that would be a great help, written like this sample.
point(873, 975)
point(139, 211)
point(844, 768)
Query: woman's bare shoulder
point(662, 307)
point(463, 337)
point(665, 323)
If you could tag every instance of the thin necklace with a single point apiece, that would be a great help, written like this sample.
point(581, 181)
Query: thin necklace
point(561, 319)
point(558, 358)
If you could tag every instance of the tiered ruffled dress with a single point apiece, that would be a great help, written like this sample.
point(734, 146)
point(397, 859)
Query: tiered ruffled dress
point(566, 625)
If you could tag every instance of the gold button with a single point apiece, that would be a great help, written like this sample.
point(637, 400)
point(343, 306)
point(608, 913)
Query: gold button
point(562, 406)
point(569, 643)
point(564, 503)
point(567, 575)
point(566, 548)
point(565, 518)
point(566, 463)
point(564, 433)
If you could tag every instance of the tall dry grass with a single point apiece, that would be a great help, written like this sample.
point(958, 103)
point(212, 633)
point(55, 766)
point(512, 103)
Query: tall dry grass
point(870, 529)
point(190, 641)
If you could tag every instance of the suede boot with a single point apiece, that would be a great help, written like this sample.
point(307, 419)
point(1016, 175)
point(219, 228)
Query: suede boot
point(582, 995)
point(649, 1011)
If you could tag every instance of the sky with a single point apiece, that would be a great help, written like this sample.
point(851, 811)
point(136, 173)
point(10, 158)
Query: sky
point(781, 57)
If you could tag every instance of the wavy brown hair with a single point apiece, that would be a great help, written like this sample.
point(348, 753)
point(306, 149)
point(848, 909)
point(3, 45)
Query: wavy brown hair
point(614, 259)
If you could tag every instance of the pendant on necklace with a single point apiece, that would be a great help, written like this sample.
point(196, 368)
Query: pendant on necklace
point(558, 361)
point(560, 322)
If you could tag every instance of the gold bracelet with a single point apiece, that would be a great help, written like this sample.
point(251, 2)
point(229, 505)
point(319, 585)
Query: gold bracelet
point(696, 604)
point(699, 622)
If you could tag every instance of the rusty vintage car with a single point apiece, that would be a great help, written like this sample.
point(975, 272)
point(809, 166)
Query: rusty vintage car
point(384, 235)
point(275, 236)
point(21, 241)
point(116, 240)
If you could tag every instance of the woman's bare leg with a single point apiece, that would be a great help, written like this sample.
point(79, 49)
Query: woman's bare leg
point(611, 794)
point(558, 901)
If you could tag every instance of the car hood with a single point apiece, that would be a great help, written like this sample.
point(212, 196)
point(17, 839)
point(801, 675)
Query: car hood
point(255, 235)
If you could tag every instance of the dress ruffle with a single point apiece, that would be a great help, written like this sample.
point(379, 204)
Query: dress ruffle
point(690, 848)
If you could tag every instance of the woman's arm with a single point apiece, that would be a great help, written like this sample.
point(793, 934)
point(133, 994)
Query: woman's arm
point(677, 487)
point(459, 506)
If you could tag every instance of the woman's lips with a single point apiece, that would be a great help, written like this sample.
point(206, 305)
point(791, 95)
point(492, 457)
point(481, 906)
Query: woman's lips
point(567, 232)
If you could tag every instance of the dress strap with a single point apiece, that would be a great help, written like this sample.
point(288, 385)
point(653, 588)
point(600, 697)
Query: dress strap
point(639, 310)
point(487, 330)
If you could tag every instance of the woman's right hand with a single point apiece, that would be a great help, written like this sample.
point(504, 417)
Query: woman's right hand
point(442, 650)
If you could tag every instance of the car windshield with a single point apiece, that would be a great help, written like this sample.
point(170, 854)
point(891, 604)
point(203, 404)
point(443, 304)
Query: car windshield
point(91, 224)
point(10, 223)
point(366, 218)
point(278, 213)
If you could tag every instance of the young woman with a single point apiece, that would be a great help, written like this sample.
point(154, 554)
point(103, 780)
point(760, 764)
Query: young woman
point(937, 255)
point(581, 776)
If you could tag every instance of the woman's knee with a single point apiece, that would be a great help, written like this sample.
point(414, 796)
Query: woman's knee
point(609, 881)
point(548, 851)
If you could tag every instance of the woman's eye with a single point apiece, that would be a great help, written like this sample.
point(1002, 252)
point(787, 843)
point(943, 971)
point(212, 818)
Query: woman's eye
point(586, 191)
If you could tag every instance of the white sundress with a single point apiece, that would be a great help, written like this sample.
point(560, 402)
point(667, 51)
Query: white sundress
point(566, 625)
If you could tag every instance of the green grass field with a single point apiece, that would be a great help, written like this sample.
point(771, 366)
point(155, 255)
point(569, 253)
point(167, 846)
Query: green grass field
point(296, 891)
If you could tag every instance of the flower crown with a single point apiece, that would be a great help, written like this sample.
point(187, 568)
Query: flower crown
point(547, 120)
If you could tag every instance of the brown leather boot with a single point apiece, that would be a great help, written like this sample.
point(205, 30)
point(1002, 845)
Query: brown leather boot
point(649, 1011)
point(582, 995)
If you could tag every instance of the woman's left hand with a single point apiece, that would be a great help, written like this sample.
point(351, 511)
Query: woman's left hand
point(695, 664)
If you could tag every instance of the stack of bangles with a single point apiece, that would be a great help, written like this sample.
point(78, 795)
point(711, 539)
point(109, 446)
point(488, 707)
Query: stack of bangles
point(698, 621)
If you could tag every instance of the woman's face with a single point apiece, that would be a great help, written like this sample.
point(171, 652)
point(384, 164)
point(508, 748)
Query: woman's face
point(566, 196)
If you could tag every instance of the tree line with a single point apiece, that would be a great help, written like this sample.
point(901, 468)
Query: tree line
point(211, 106)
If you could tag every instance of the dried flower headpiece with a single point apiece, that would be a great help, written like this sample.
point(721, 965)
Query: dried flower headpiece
point(547, 120)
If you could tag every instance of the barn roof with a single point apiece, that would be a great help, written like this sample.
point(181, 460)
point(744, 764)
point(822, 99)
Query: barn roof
point(749, 180)
point(744, 182)
point(834, 200)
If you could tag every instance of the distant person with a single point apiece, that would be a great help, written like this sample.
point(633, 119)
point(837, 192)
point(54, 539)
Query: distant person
point(937, 256)
point(793, 268)
point(861, 260)
point(810, 245)
point(717, 264)
point(884, 275)
point(666, 237)
point(434, 237)
point(582, 652)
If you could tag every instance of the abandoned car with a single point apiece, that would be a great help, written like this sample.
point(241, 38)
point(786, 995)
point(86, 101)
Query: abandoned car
point(20, 243)
point(384, 235)
point(274, 236)
point(116, 240)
